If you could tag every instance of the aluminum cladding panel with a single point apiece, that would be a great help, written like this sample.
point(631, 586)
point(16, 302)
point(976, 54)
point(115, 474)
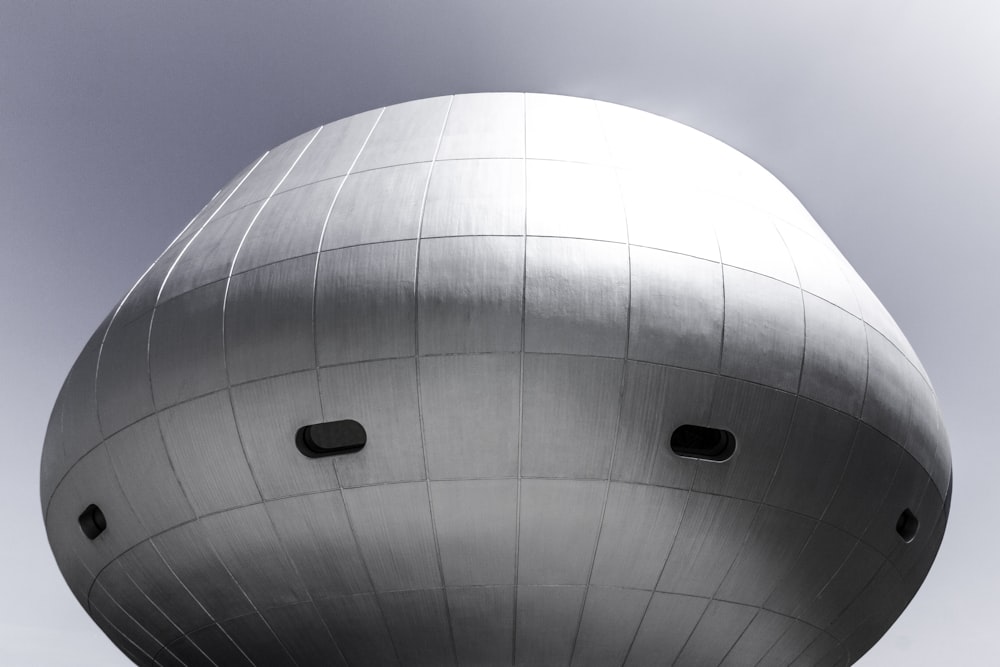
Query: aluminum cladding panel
point(521, 299)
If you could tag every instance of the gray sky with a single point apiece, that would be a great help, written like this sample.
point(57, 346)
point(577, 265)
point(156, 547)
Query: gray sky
point(118, 121)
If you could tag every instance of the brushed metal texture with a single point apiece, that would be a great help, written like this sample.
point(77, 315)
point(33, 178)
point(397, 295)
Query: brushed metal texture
point(479, 440)
point(123, 390)
point(569, 434)
point(484, 126)
point(405, 133)
point(469, 294)
point(665, 629)
point(290, 225)
point(835, 365)
point(382, 396)
point(332, 152)
point(576, 297)
point(316, 533)
point(475, 197)
point(357, 625)
point(311, 641)
point(719, 628)
point(378, 205)
point(365, 302)
point(482, 623)
point(761, 634)
point(141, 466)
point(268, 413)
point(188, 328)
point(559, 523)
point(269, 323)
point(204, 446)
point(419, 627)
point(256, 639)
point(610, 619)
point(476, 530)
point(676, 310)
point(547, 619)
point(144, 567)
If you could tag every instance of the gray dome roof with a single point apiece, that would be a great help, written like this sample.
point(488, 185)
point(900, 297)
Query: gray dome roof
point(520, 298)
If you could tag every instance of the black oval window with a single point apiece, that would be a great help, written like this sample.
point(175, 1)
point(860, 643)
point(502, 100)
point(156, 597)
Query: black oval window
point(701, 442)
point(906, 525)
point(92, 521)
point(331, 438)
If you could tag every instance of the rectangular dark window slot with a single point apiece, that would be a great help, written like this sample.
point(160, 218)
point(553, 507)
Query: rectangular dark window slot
point(701, 442)
point(331, 438)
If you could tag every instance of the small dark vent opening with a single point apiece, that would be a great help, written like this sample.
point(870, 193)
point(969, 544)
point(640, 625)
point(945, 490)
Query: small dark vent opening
point(331, 438)
point(701, 442)
point(92, 521)
point(906, 525)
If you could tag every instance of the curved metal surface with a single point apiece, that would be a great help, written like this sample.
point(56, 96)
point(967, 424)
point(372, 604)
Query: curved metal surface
point(520, 298)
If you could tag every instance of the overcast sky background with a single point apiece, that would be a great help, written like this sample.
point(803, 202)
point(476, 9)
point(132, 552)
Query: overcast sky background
point(119, 120)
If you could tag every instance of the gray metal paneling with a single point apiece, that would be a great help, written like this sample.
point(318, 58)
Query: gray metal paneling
point(570, 411)
point(665, 629)
point(407, 132)
point(564, 128)
point(220, 649)
point(476, 530)
point(820, 270)
point(819, 445)
point(763, 632)
point(475, 197)
point(640, 523)
point(80, 430)
point(365, 302)
point(357, 625)
point(92, 481)
point(820, 560)
point(796, 639)
point(775, 539)
point(142, 467)
point(469, 294)
point(123, 393)
point(116, 583)
point(157, 581)
point(246, 543)
point(210, 255)
point(656, 401)
point(204, 445)
point(907, 488)
point(490, 125)
point(558, 530)
point(928, 510)
point(865, 481)
point(470, 405)
point(186, 357)
point(101, 605)
point(317, 536)
point(290, 225)
point(610, 620)
point(268, 414)
point(268, 174)
point(710, 537)
point(676, 315)
point(547, 621)
point(576, 297)
point(142, 298)
point(188, 553)
point(844, 587)
point(255, 638)
point(569, 200)
point(269, 325)
point(311, 643)
point(835, 366)
point(822, 646)
point(716, 633)
point(418, 624)
point(764, 331)
point(924, 438)
point(379, 205)
point(759, 417)
point(892, 383)
point(482, 622)
point(332, 151)
point(392, 523)
point(748, 239)
point(664, 215)
point(382, 397)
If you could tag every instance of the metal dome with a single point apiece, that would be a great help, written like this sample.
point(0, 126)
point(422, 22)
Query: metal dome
point(523, 301)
